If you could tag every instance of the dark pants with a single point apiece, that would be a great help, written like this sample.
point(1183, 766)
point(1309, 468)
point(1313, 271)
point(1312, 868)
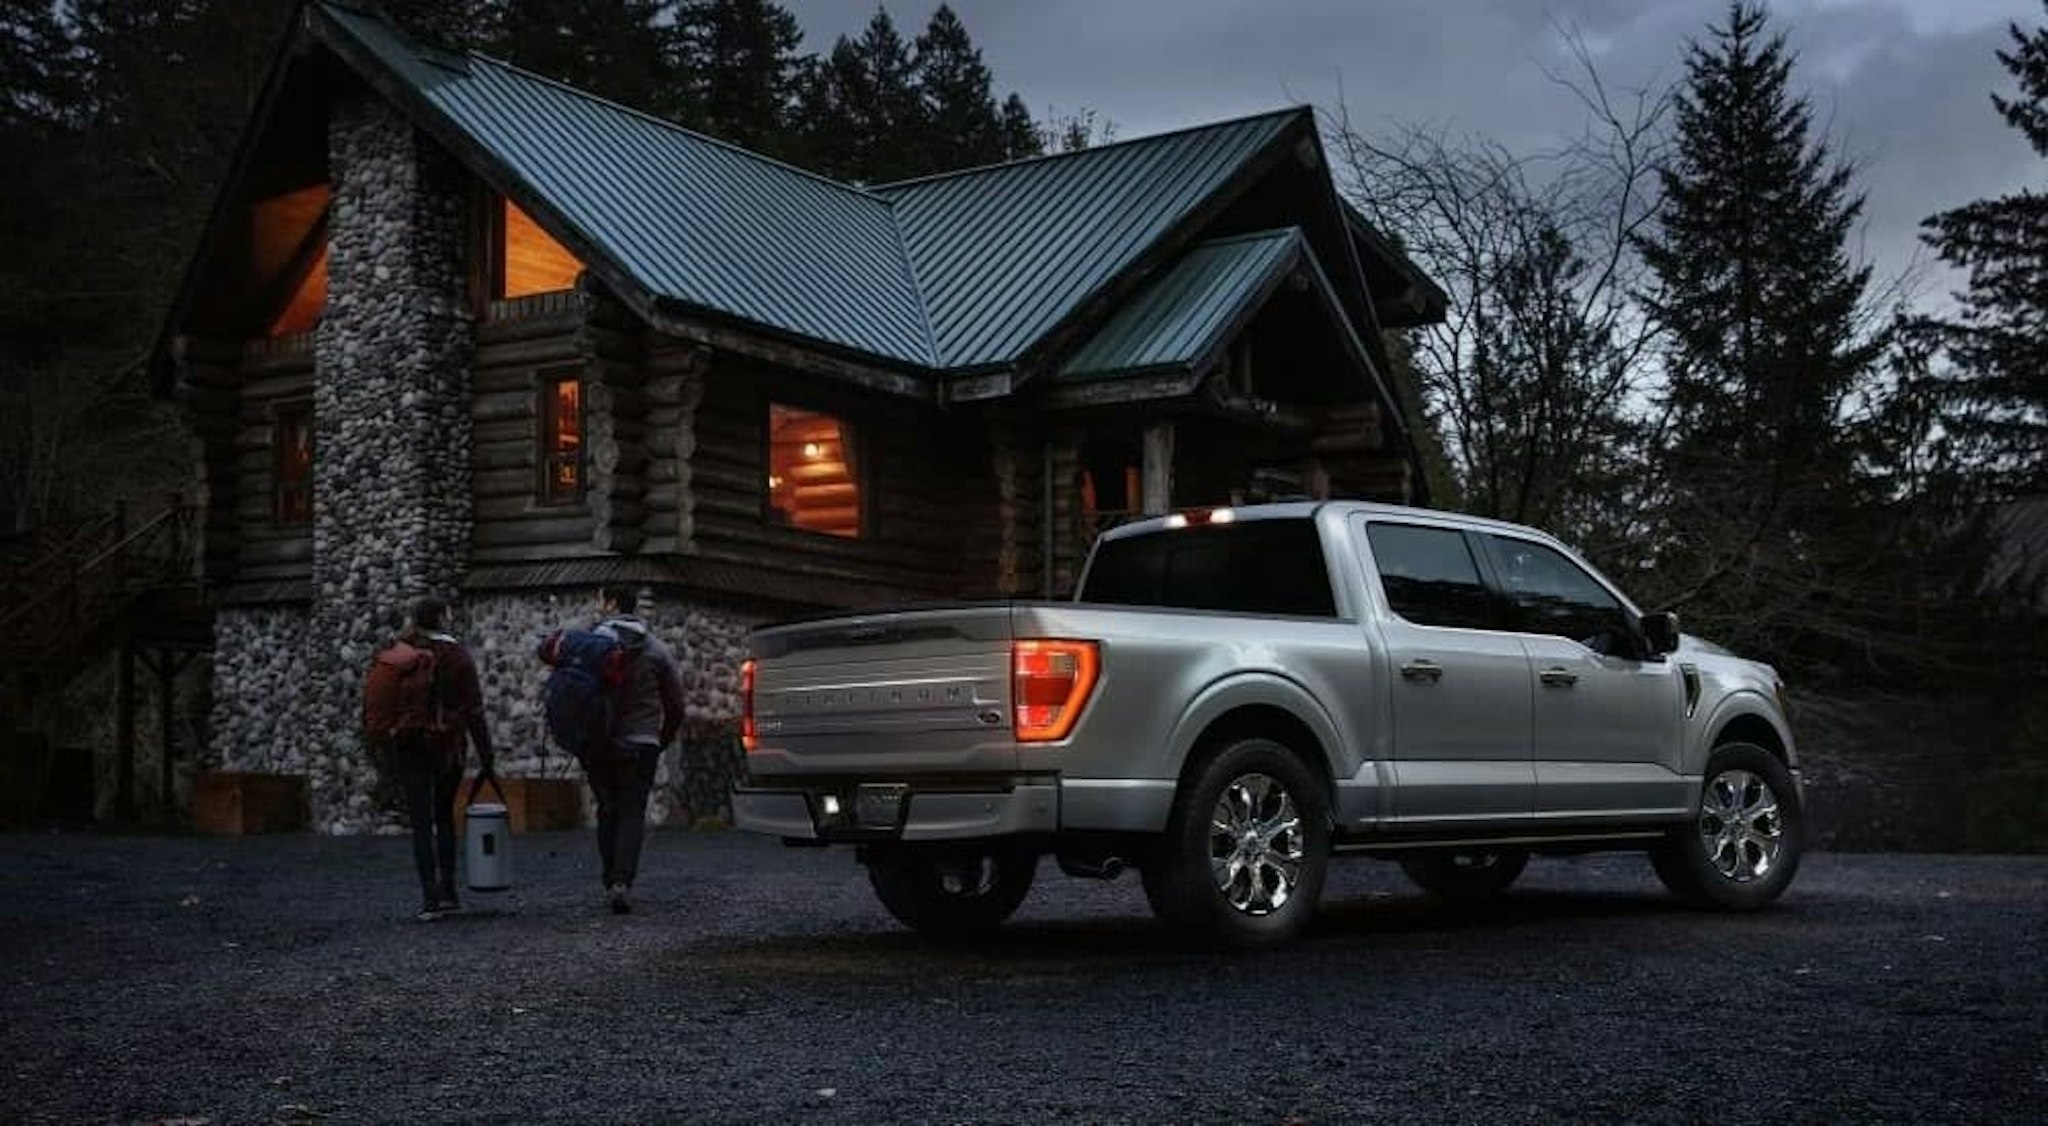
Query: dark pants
point(430, 784)
point(621, 784)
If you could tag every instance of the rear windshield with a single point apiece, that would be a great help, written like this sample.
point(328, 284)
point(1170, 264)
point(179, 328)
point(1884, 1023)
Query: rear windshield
point(1257, 567)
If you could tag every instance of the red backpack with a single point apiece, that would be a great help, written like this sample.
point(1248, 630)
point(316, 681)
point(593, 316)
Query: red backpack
point(400, 700)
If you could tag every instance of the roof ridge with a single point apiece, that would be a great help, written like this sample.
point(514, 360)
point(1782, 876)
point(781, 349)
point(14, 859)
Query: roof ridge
point(599, 99)
point(1001, 165)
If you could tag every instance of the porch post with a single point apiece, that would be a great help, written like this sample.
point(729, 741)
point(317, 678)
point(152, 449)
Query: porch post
point(1158, 471)
point(124, 733)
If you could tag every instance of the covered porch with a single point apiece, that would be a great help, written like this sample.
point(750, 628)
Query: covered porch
point(1235, 377)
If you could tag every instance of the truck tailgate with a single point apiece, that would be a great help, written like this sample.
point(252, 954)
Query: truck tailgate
point(898, 694)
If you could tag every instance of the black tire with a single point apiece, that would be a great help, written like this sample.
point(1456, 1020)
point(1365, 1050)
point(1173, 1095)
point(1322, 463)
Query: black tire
point(1466, 877)
point(952, 893)
point(1183, 883)
point(1727, 863)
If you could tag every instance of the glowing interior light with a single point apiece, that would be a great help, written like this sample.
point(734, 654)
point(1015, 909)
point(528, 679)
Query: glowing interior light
point(1222, 516)
point(1176, 521)
point(830, 805)
point(813, 450)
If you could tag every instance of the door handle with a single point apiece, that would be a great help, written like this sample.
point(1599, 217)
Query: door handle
point(1422, 670)
point(1562, 678)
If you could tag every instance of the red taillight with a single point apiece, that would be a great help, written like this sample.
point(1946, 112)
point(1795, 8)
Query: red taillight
point(747, 738)
point(1050, 684)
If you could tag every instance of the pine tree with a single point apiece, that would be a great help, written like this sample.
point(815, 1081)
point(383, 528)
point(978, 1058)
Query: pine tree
point(1763, 311)
point(453, 24)
point(739, 72)
point(964, 128)
point(113, 199)
point(38, 69)
point(1998, 392)
point(1018, 133)
point(864, 114)
point(613, 48)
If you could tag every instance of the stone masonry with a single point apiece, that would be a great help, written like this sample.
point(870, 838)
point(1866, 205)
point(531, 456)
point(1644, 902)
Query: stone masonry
point(267, 675)
point(391, 500)
point(392, 511)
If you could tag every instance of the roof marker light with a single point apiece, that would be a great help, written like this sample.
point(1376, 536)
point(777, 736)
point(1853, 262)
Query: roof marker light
point(1177, 520)
point(1222, 516)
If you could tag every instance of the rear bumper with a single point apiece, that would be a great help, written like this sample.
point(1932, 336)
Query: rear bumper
point(927, 815)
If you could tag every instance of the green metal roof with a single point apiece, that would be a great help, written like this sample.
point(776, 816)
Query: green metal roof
point(692, 219)
point(1003, 254)
point(960, 272)
point(1182, 317)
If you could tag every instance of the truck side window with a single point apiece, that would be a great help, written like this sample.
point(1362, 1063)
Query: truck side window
point(1554, 595)
point(1429, 576)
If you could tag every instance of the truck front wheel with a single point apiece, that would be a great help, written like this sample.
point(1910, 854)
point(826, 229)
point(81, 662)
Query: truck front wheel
point(1742, 849)
point(1246, 848)
point(951, 893)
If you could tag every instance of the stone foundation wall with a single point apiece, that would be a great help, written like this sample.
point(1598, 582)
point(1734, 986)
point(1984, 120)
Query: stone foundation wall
point(709, 642)
point(267, 662)
point(263, 662)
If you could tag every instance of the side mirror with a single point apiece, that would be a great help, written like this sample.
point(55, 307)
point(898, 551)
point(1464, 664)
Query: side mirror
point(1661, 630)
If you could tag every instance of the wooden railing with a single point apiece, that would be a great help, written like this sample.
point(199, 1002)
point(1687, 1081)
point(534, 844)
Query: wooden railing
point(81, 582)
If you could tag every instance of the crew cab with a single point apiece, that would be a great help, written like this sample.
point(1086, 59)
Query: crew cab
point(1236, 695)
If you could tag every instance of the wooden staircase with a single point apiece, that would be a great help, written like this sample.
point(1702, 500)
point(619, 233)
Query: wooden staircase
point(119, 583)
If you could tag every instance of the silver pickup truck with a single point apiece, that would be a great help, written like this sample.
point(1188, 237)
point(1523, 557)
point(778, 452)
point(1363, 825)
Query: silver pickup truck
point(1236, 695)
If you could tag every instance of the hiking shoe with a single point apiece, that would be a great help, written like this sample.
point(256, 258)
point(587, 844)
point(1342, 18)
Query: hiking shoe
point(429, 911)
point(620, 898)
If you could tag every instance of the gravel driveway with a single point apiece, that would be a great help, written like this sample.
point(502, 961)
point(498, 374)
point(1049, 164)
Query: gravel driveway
point(283, 979)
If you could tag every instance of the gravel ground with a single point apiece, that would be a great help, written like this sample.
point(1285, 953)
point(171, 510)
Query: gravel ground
point(282, 979)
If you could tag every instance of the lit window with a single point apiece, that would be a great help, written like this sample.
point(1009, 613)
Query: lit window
point(309, 298)
point(288, 257)
point(814, 479)
point(528, 259)
point(293, 434)
point(561, 437)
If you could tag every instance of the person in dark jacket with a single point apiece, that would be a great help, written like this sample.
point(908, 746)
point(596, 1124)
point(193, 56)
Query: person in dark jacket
point(429, 766)
point(646, 714)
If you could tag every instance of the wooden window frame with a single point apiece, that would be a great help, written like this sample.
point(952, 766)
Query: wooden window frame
point(284, 417)
point(548, 451)
point(862, 475)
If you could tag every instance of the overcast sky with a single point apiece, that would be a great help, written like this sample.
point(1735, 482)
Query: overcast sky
point(1902, 85)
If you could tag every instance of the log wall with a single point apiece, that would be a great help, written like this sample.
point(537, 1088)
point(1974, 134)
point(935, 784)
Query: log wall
point(920, 466)
point(273, 374)
point(209, 378)
point(510, 524)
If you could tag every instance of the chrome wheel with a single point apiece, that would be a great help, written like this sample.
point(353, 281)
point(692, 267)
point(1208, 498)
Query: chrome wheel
point(1740, 828)
point(1256, 844)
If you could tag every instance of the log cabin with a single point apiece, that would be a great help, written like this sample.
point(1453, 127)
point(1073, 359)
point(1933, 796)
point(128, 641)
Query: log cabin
point(455, 328)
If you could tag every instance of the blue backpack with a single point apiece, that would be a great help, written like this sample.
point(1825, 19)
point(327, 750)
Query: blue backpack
point(588, 667)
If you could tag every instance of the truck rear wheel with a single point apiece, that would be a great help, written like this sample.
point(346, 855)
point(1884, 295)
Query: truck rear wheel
point(951, 893)
point(1744, 845)
point(1466, 877)
point(1246, 848)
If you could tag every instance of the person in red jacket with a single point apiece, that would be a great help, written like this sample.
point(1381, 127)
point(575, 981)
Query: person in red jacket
point(425, 742)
